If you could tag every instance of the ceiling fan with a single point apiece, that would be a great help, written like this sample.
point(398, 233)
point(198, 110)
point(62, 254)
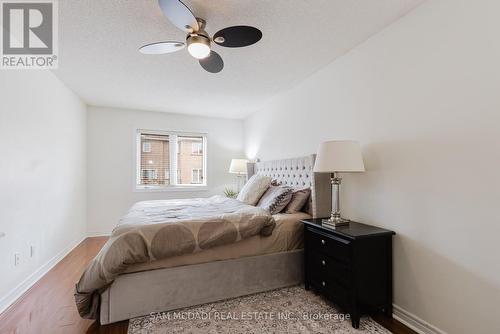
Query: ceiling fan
point(198, 41)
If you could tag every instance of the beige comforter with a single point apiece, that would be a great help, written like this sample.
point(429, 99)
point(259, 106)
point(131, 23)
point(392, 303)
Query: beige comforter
point(154, 230)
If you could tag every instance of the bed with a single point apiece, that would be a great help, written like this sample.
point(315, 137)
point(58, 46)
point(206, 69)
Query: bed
point(258, 263)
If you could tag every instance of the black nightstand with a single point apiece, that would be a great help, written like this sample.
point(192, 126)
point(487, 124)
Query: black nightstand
point(350, 265)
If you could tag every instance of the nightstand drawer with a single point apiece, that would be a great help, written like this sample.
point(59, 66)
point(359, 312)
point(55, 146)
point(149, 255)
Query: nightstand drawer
point(327, 244)
point(333, 291)
point(327, 266)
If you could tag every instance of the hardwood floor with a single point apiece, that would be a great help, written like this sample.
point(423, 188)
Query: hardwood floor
point(49, 307)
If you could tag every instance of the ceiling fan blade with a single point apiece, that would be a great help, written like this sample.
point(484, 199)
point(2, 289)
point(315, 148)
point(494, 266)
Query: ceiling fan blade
point(160, 48)
point(213, 63)
point(237, 36)
point(179, 14)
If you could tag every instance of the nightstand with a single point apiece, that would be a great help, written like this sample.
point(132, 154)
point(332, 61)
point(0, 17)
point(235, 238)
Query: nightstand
point(350, 265)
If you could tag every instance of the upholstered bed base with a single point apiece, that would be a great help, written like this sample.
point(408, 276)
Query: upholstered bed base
point(137, 294)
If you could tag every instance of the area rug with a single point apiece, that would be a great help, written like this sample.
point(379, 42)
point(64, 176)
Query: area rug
point(289, 310)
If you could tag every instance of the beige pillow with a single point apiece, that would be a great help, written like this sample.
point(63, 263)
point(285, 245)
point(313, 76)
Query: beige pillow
point(299, 199)
point(254, 188)
point(275, 199)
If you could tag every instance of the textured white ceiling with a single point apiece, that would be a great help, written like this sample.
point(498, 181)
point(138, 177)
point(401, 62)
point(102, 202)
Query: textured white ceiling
point(99, 59)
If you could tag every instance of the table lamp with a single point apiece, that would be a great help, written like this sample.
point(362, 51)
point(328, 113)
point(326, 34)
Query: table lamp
point(239, 167)
point(338, 156)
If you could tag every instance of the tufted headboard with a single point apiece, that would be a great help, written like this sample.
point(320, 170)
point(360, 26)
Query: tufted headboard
point(298, 172)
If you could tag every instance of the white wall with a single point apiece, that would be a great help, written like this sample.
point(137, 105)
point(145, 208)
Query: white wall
point(111, 159)
point(423, 99)
point(42, 175)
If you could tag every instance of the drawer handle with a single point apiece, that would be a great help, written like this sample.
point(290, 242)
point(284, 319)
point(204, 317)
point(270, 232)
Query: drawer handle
point(323, 241)
point(323, 262)
point(323, 283)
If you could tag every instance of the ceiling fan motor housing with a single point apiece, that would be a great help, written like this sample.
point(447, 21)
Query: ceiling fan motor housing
point(197, 38)
point(200, 36)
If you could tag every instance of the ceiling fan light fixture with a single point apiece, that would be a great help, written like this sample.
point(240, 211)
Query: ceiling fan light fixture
point(198, 46)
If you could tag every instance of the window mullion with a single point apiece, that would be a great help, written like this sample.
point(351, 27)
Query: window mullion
point(173, 159)
point(204, 152)
point(138, 157)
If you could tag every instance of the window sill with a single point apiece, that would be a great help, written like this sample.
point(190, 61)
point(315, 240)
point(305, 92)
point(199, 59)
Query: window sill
point(142, 189)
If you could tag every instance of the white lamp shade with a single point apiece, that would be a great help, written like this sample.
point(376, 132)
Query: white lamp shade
point(339, 156)
point(238, 166)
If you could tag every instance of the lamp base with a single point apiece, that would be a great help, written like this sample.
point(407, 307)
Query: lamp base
point(335, 222)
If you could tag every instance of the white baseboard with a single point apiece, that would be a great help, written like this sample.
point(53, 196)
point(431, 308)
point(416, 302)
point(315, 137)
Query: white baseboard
point(25, 285)
point(411, 320)
point(98, 234)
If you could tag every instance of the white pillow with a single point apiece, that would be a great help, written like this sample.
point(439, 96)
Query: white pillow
point(253, 190)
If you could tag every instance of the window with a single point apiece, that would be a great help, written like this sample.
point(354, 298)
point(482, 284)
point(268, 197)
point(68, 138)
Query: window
point(170, 159)
point(197, 148)
point(197, 176)
point(146, 147)
point(149, 176)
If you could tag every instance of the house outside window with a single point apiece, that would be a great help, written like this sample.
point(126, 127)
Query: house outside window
point(169, 160)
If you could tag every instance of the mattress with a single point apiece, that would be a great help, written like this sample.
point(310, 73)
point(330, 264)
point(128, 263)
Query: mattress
point(287, 236)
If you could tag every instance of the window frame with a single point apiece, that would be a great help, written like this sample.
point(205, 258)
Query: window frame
point(174, 144)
